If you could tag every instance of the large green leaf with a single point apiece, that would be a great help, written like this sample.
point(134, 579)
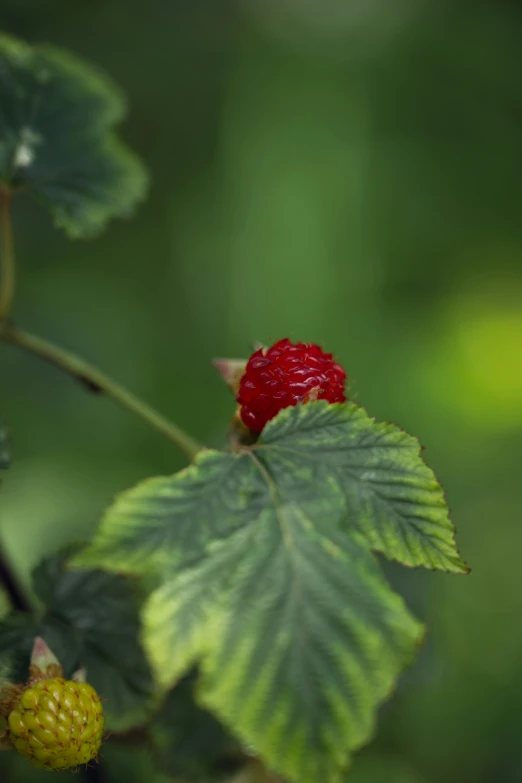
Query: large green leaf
point(90, 619)
point(299, 637)
point(169, 521)
point(56, 138)
point(366, 476)
point(268, 581)
point(391, 496)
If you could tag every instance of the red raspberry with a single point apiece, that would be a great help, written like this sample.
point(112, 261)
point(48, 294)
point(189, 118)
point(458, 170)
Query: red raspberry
point(286, 374)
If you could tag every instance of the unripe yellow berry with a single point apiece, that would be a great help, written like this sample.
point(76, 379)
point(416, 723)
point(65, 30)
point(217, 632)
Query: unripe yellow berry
point(57, 723)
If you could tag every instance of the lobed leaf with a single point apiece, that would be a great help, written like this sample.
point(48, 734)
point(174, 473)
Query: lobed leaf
point(56, 137)
point(169, 521)
point(269, 585)
point(308, 641)
point(391, 495)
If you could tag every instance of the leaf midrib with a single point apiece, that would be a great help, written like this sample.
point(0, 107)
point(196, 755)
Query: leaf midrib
point(286, 537)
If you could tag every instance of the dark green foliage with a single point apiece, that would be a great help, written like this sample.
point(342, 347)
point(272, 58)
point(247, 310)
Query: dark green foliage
point(56, 138)
point(90, 618)
point(189, 742)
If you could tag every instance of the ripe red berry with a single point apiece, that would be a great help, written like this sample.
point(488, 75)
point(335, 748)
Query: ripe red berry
point(286, 374)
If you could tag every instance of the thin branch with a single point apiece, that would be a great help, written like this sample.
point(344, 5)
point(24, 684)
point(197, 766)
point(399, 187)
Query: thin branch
point(9, 582)
point(7, 260)
point(97, 381)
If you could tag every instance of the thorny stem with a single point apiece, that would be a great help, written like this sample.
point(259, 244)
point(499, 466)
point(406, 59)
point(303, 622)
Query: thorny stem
point(7, 261)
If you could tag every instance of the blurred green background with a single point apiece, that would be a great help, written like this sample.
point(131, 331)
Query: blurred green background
point(347, 172)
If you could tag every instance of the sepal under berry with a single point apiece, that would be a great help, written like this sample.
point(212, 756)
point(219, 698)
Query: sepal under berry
point(231, 370)
point(44, 662)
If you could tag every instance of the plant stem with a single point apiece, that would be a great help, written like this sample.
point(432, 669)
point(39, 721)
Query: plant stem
point(7, 261)
point(11, 585)
point(97, 381)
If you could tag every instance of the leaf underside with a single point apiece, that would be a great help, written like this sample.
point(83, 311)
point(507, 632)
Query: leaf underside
point(57, 116)
point(269, 583)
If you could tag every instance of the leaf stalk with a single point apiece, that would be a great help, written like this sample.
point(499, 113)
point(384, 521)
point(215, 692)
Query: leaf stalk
point(11, 585)
point(97, 381)
point(7, 259)
point(92, 378)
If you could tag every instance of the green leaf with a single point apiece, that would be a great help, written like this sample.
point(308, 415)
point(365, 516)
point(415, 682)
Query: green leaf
point(169, 521)
point(370, 474)
point(189, 742)
point(90, 619)
point(301, 643)
point(269, 584)
point(391, 496)
point(56, 139)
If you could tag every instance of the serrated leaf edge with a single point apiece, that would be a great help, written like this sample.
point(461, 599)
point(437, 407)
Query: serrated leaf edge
point(410, 442)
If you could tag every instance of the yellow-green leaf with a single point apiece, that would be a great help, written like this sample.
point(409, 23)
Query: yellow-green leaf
point(268, 582)
point(391, 495)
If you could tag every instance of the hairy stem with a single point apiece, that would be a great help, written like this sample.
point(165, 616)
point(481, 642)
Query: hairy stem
point(97, 381)
point(7, 261)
